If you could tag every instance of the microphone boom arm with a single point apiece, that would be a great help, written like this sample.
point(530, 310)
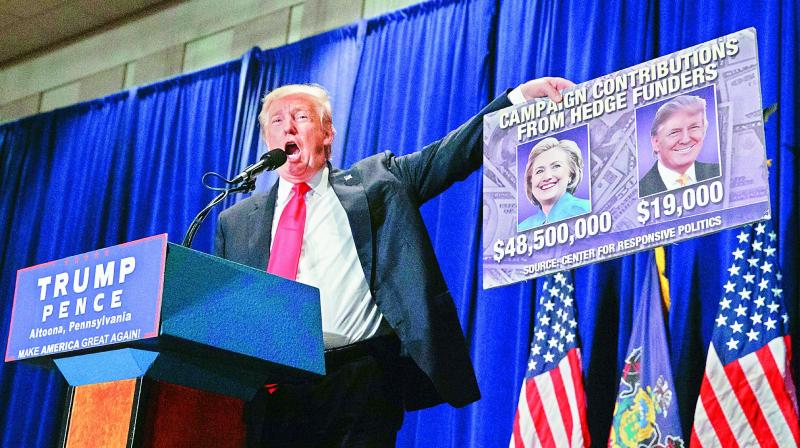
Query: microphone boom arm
point(248, 185)
point(269, 161)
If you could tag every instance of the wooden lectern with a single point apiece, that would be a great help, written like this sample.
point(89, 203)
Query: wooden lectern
point(220, 331)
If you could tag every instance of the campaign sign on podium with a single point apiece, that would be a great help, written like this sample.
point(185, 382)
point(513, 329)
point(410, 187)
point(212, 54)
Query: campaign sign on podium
point(104, 297)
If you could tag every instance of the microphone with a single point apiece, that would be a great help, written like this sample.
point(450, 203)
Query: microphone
point(268, 162)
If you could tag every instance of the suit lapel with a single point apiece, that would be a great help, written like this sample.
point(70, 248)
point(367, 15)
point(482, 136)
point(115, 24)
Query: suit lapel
point(261, 229)
point(349, 189)
point(705, 171)
point(658, 182)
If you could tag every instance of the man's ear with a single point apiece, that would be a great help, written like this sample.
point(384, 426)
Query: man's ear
point(654, 145)
point(329, 133)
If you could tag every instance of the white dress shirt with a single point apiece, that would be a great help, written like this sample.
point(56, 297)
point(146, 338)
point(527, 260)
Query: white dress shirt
point(671, 178)
point(329, 261)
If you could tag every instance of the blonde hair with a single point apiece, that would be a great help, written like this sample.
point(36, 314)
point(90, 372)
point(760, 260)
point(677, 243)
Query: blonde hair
point(574, 163)
point(689, 103)
point(314, 91)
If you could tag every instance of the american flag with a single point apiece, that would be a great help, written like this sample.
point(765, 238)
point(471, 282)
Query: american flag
point(552, 405)
point(747, 397)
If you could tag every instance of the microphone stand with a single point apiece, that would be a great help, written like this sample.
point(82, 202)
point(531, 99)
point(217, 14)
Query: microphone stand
point(248, 184)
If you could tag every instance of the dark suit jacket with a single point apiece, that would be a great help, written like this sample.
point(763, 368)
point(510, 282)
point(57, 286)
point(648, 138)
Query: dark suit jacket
point(651, 182)
point(382, 195)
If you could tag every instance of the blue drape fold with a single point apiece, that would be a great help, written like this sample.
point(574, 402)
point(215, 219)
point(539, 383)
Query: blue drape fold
point(129, 165)
point(425, 70)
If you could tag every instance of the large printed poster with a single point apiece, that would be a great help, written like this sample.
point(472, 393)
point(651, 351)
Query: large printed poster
point(657, 153)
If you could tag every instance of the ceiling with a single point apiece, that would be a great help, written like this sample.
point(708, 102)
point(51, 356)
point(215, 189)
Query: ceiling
point(31, 27)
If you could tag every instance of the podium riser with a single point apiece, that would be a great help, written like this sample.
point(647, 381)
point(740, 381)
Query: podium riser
point(102, 414)
point(141, 413)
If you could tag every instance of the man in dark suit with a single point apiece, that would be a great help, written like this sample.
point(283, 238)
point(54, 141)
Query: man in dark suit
point(677, 136)
point(391, 331)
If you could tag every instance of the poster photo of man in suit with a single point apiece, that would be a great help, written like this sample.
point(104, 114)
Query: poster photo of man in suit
point(392, 337)
point(683, 141)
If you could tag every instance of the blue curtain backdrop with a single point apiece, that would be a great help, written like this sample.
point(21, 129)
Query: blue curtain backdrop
point(601, 37)
point(95, 175)
point(128, 166)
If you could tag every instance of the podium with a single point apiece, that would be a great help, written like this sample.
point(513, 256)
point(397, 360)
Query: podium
point(137, 327)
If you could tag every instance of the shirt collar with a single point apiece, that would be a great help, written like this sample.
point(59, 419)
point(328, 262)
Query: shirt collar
point(561, 202)
point(318, 183)
point(670, 177)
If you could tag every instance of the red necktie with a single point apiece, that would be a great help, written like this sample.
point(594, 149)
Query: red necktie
point(285, 254)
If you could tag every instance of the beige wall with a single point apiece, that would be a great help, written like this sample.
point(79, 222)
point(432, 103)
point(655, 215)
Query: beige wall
point(186, 37)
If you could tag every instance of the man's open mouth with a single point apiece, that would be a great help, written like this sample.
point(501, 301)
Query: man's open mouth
point(290, 148)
